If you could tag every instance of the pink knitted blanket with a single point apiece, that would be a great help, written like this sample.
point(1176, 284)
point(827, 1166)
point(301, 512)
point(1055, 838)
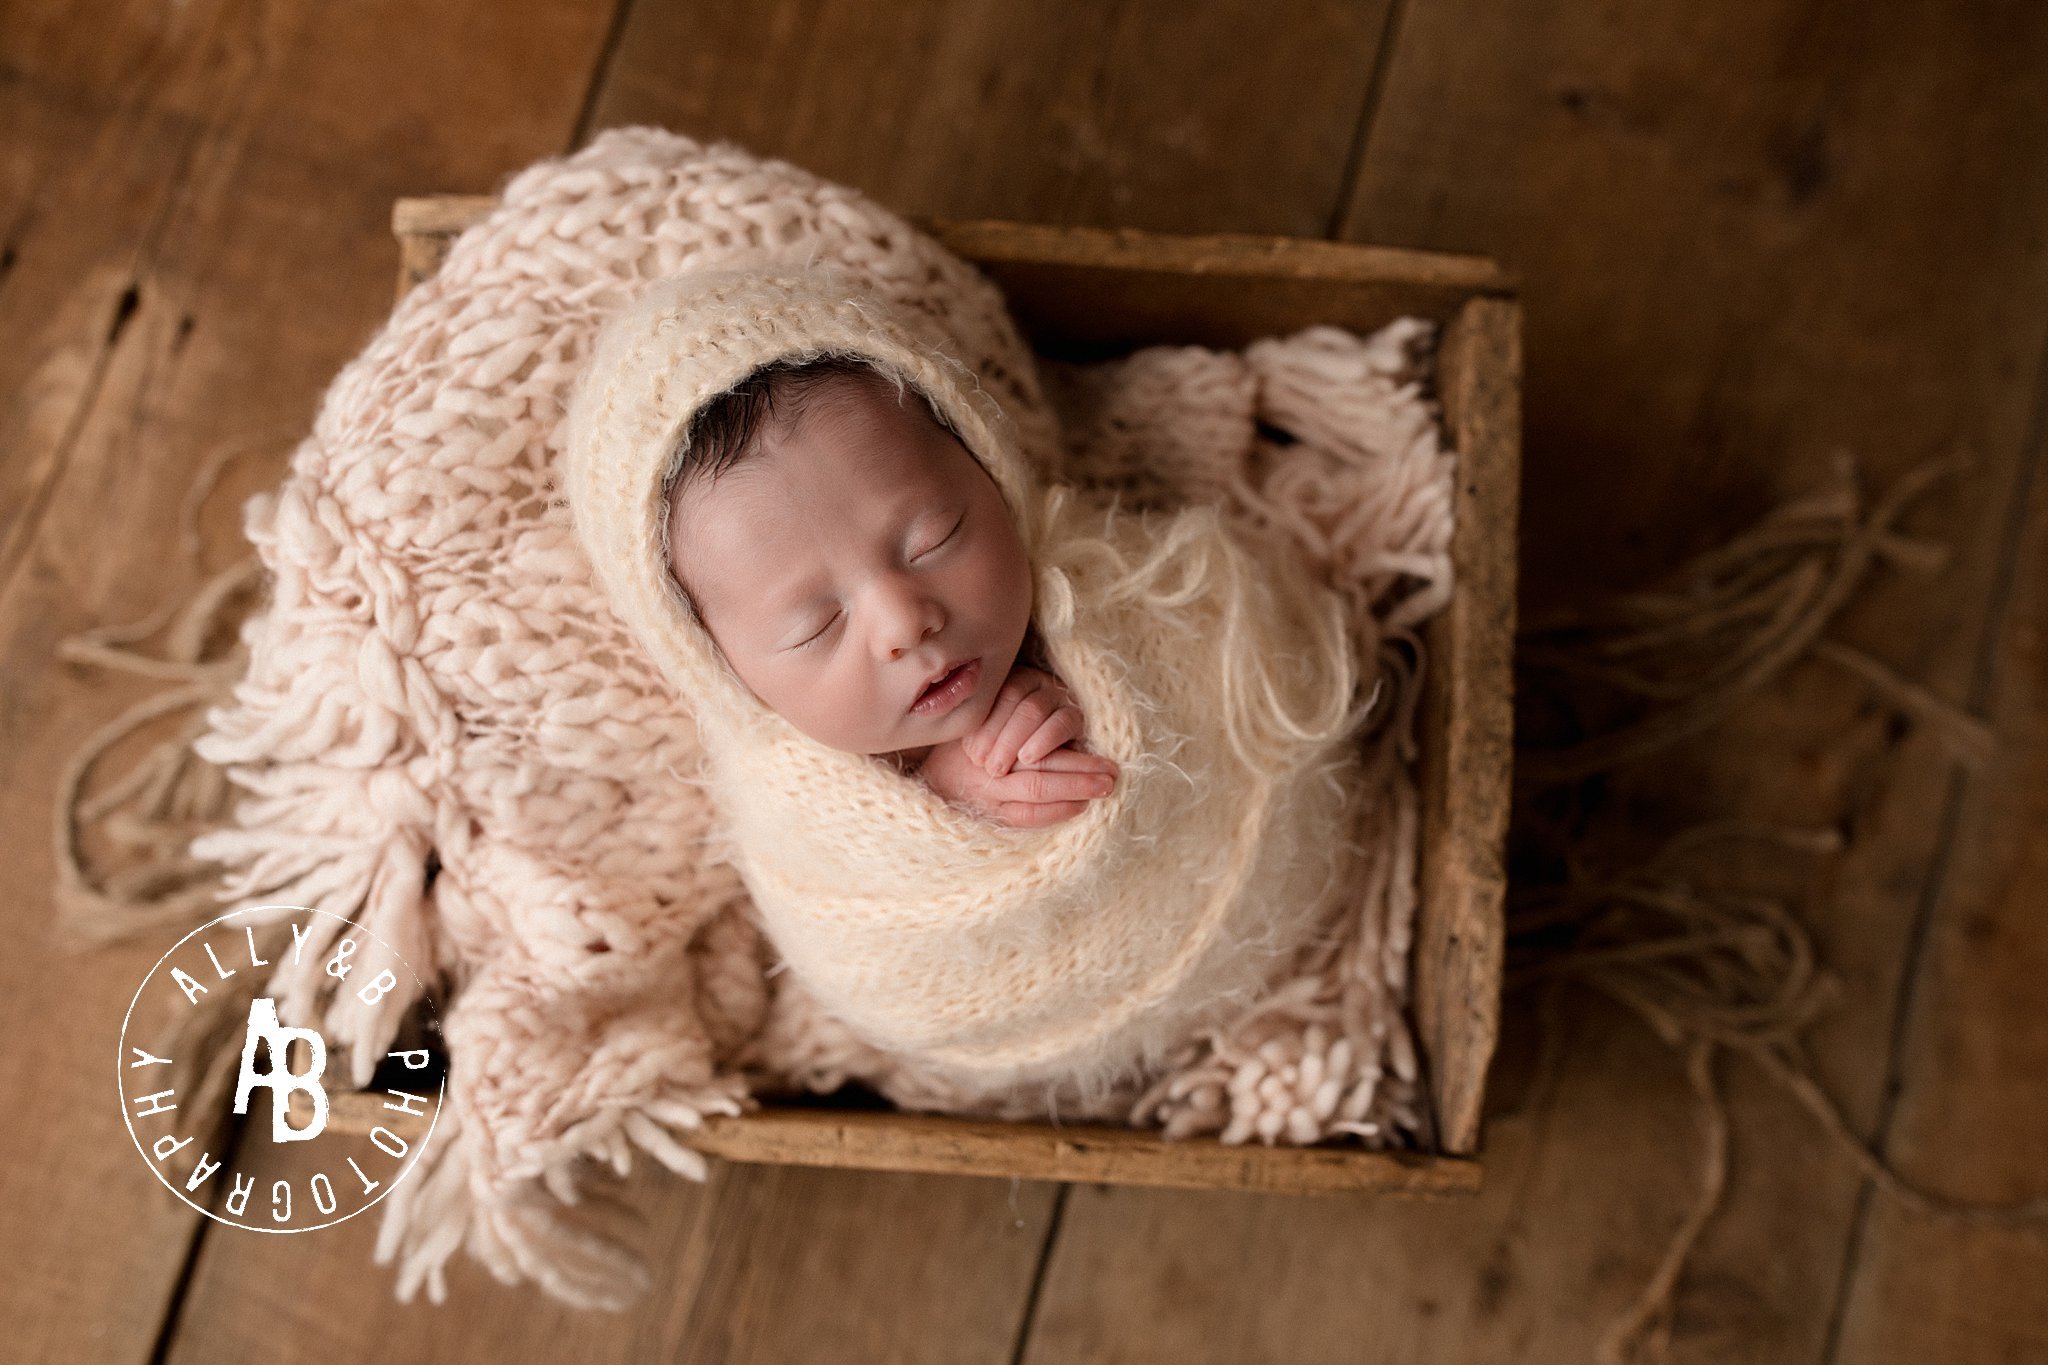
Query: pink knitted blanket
point(445, 734)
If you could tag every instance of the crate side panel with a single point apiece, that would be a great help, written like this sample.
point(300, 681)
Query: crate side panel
point(1467, 715)
point(1079, 312)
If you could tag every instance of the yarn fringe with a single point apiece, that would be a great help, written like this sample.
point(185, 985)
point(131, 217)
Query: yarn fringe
point(169, 795)
point(1729, 622)
point(1328, 1055)
point(1710, 970)
point(1361, 488)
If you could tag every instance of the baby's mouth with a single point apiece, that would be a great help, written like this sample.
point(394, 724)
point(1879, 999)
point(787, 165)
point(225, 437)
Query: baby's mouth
point(949, 690)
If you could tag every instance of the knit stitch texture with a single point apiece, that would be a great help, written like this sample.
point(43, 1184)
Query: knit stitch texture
point(1223, 685)
point(441, 669)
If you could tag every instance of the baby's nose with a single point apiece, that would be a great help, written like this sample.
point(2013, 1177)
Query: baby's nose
point(918, 616)
point(911, 642)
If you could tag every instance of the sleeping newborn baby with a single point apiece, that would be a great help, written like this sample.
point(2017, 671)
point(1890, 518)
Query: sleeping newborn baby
point(891, 627)
point(860, 573)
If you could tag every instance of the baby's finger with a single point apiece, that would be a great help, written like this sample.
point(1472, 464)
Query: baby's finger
point(1061, 726)
point(1040, 784)
point(1033, 710)
point(1032, 815)
point(980, 745)
point(1077, 761)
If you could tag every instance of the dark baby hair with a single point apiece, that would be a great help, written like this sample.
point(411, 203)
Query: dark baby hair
point(725, 430)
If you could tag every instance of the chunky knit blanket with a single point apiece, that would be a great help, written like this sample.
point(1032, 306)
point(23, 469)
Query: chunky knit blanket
point(448, 732)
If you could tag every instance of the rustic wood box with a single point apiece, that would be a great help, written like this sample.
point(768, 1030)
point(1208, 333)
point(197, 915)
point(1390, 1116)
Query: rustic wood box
point(1090, 291)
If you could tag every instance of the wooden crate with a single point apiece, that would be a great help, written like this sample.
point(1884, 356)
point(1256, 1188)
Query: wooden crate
point(1093, 292)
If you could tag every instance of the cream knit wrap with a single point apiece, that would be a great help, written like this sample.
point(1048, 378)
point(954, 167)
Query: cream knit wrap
point(457, 730)
point(1223, 686)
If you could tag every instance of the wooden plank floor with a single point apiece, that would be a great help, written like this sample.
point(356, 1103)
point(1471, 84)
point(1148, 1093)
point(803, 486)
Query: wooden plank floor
point(1753, 233)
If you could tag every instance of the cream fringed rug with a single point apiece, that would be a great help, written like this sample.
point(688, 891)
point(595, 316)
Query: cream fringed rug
point(440, 730)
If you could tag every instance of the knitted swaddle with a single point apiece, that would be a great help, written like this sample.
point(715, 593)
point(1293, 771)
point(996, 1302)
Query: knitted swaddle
point(463, 729)
point(1222, 685)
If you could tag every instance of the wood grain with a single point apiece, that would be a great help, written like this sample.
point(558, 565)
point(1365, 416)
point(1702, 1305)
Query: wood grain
point(194, 208)
point(1467, 723)
point(993, 243)
point(1220, 117)
point(99, 124)
point(1749, 234)
point(1083, 291)
point(1971, 1119)
point(759, 1264)
point(1750, 264)
point(1119, 1156)
point(1738, 235)
point(1153, 1277)
point(882, 1140)
point(102, 123)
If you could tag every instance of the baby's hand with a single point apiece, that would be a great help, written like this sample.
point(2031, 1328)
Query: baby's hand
point(1034, 714)
point(1057, 787)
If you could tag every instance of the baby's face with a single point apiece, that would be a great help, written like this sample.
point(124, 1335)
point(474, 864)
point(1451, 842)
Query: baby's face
point(857, 553)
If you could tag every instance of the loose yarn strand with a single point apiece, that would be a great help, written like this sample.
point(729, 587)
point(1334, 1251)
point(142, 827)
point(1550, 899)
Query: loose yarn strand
point(1708, 970)
point(168, 795)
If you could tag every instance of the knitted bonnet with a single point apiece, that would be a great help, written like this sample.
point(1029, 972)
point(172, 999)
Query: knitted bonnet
point(1223, 687)
point(683, 343)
